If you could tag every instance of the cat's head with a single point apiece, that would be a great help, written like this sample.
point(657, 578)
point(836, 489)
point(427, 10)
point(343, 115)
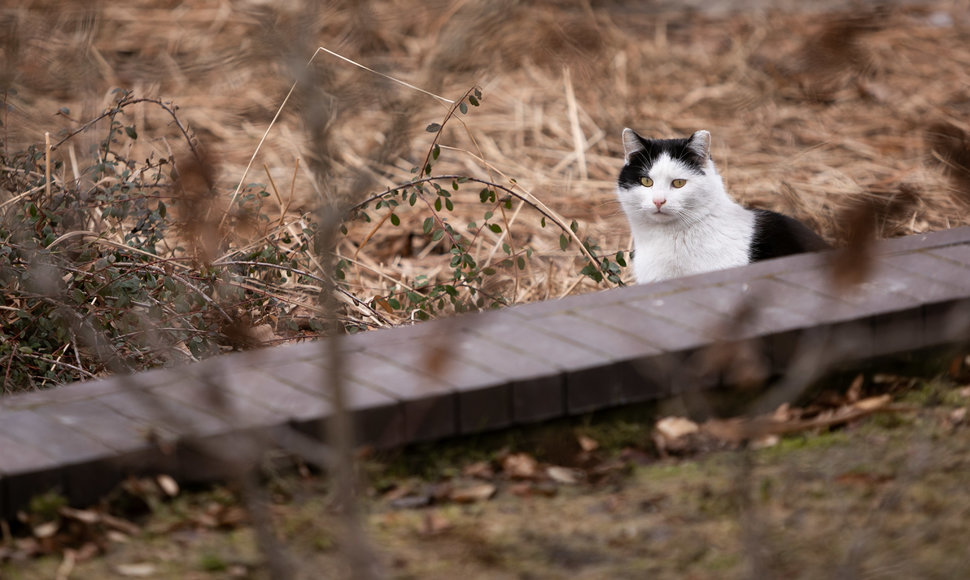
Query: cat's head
point(668, 180)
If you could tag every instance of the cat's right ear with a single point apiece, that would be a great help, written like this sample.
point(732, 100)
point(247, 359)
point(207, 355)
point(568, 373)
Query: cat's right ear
point(632, 143)
point(700, 144)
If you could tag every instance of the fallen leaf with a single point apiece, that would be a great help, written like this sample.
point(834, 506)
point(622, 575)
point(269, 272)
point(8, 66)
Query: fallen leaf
point(564, 475)
point(765, 442)
point(473, 493)
point(64, 570)
point(120, 524)
point(480, 470)
point(46, 529)
point(520, 466)
point(587, 444)
point(872, 403)
point(958, 416)
point(86, 516)
point(168, 485)
point(782, 413)
point(139, 570)
point(675, 427)
point(117, 537)
point(855, 389)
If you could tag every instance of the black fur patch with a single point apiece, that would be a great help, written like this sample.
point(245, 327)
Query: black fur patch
point(641, 161)
point(777, 235)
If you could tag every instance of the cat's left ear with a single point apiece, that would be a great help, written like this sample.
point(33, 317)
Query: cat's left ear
point(700, 145)
point(632, 143)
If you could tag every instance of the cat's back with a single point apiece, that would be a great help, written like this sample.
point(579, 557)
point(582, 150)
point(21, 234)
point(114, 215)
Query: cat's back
point(776, 235)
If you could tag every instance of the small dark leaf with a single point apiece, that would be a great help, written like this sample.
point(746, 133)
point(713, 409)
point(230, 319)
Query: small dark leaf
point(396, 221)
point(463, 108)
point(433, 128)
point(495, 228)
point(130, 131)
point(563, 242)
point(435, 151)
point(428, 224)
point(620, 260)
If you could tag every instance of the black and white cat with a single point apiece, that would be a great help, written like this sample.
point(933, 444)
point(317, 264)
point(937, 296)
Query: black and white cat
point(682, 219)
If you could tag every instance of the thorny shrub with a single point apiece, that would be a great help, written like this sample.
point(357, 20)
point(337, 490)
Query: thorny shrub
point(131, 266)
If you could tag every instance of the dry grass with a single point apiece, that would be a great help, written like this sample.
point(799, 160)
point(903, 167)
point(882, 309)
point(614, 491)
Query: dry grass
point(810, 113)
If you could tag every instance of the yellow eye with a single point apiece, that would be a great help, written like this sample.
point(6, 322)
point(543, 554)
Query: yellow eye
point(646, 181)
point(678, 183)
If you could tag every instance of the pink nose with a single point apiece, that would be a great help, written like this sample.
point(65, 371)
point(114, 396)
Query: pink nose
point(659, 202)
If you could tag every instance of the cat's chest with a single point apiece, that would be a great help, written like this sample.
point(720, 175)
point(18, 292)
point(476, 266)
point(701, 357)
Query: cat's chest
point(663, 253)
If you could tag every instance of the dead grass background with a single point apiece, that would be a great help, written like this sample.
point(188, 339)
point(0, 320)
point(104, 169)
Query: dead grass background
point(810, 112)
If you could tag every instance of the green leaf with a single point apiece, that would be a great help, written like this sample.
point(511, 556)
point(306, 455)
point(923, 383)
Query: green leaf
point(449, 205)
point(563, 242)
point(591, 271)
point(437, 204)
point(396, 221)
point(542, 222)
point(427, 225)
point(473, 100)
point(463, 108)
point(130, 131)
point(521, 263)
point(495, 228)
point(433, 128)
point(574, 226)
point(620, 260)
point(437, 235)
point(435, 152)
point(488, 271)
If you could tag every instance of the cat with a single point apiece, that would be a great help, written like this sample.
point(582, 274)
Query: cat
point(682, 219)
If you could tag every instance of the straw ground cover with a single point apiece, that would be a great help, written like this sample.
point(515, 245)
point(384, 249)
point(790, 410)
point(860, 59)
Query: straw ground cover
point(812, 113)
point(854, 110)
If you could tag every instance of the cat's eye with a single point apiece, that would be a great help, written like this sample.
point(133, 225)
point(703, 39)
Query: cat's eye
point(646, 181)
point(678, 183)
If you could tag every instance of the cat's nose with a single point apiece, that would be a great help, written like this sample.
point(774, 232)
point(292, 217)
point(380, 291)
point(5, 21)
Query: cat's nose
point(659, 202)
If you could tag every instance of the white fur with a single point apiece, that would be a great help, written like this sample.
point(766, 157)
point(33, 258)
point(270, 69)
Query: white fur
point(697, 228)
